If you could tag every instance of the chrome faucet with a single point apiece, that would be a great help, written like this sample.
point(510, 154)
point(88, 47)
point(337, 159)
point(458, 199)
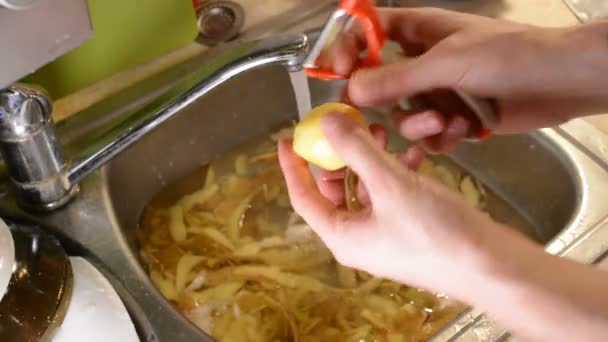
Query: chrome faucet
point(45, 180)
point(30, 149)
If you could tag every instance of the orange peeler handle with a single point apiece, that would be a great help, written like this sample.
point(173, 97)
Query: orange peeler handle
point(365, 13)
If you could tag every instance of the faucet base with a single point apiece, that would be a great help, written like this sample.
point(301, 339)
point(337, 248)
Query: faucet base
point(34, 197)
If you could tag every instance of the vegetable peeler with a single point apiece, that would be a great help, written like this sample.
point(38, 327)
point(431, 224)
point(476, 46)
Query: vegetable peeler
point(480, 112)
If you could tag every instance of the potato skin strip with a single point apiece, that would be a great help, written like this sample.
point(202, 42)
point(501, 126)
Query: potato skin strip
point(166, 287)
point(222, 292)
point(177, 228)
point(215, 235)
point(235, 221)
point(185, 264)
point(198, 197)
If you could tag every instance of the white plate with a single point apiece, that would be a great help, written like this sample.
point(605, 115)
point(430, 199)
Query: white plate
point(7, 257)
point(95, 313)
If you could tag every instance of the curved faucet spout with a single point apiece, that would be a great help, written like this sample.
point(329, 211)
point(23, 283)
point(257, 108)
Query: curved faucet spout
point(47, 183)
point(290, 50)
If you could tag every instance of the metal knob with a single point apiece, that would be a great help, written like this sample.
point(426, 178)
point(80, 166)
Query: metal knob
point(30, 148)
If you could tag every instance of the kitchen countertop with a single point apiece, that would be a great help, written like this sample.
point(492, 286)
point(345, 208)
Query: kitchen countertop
point(549, 13)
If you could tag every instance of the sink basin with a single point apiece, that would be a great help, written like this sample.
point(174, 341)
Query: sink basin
point(551, 179)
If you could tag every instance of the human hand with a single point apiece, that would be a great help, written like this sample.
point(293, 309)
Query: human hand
point(538, 77)
point(412, 229)
point(331, 183)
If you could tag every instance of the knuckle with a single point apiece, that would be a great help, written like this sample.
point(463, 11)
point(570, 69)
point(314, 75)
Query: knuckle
point(357, 89)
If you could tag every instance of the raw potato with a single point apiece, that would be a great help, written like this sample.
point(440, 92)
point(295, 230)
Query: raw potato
point(309, 141)
point(241, 265)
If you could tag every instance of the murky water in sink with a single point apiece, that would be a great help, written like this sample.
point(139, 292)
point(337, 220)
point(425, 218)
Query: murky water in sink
point(235, 284)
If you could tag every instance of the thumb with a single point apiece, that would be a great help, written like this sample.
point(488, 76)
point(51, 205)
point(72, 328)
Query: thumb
point(405, 78)
point(358, 149)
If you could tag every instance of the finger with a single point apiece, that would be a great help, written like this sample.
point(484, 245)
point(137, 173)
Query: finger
point(412, 158)
point(358, 149)
point(346, 54)
point(327, 175)
point(380, 135)
point(363, 195)
point(331, 183)
point(419, 125)
point(303, 192)
point(333, 190)
point(425, 26)
point(416, 29)
point(457, 130)
point(405, 78)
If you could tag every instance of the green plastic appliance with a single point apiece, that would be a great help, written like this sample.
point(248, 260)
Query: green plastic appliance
point(126, 33)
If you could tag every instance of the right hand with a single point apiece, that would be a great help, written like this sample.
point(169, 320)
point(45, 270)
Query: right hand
point(539, 77)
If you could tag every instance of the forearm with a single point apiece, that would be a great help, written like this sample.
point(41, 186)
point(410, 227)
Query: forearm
point(583, 54)
point(543, 297)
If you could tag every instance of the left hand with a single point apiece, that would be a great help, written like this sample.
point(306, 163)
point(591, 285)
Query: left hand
point(412, 229)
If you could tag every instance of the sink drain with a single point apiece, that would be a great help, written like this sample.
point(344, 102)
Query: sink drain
point(219, 21)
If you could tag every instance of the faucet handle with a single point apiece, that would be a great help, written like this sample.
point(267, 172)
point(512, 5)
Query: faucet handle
point(23, 111)
point(30, 149)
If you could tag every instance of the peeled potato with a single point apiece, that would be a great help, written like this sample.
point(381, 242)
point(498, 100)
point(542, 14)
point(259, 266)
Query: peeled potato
point(309, 141)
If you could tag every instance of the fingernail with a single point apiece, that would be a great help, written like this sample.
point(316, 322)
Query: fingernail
point(459, 124)
point(334, 121)
point(429, 123)
point(342, 67)
point(286, 141)
point(414, 156)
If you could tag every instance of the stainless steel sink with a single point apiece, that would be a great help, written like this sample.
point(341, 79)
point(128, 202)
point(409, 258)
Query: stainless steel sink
point(554, 178)
point(554, 184)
